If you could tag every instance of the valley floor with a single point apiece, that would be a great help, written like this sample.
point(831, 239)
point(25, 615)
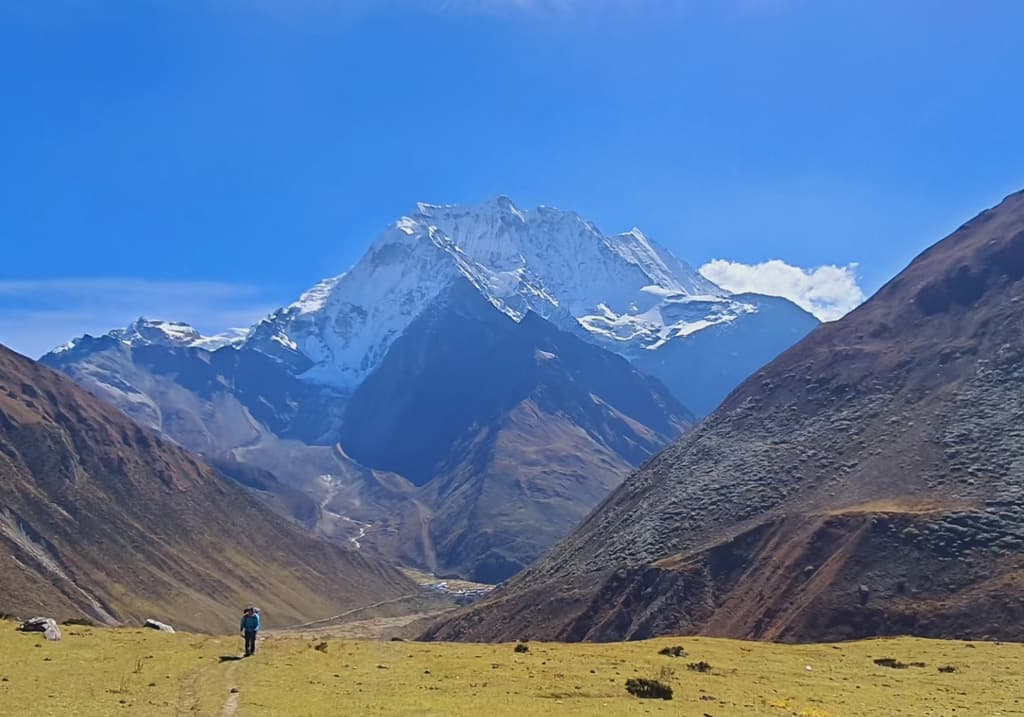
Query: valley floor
point(136, 672)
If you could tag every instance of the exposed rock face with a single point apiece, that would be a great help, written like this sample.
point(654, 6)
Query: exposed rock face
point(103, 518)
point(885, 451)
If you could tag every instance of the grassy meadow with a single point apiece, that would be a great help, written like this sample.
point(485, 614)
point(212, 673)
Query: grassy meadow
point(102, 672)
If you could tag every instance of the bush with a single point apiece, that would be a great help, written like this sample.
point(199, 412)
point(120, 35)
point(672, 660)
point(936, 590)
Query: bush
point(674, 651)
point(699, 666)
point(648, 689)
point(522, 648)
point(896, 664)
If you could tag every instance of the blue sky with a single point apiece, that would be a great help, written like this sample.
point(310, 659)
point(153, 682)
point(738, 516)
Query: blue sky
point(208, 161)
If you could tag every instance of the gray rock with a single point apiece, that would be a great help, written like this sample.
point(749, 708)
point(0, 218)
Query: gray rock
point(157, 625)
point(46, 625)
point(864, 594)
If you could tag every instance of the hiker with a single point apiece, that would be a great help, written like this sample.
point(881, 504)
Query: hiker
point(250, 627)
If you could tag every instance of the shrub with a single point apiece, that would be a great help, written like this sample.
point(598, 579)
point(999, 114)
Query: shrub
point(674, 651)
point(896, 664)
point(522, 648)
point(648, 689)
point(699, 666)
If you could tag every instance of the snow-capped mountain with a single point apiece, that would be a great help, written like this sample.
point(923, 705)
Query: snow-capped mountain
point(150, 332)
point(623, 291)
point(461, 378)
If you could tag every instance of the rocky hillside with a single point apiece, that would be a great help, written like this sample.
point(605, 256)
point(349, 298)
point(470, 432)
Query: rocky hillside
point(104, 518)
point(869, 481)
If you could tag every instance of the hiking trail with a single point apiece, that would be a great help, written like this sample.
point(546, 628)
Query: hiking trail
point(353, 611)
point(231, 703)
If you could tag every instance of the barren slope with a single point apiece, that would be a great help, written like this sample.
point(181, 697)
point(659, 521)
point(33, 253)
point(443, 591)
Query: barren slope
point(101, 517)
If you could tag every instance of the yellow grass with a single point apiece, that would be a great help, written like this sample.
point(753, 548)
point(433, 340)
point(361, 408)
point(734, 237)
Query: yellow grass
point(137, 672)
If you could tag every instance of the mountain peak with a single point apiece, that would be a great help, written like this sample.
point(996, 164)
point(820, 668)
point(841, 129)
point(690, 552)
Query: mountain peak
point(623, 291)
point(144, 331)
point(156, 332)
point(497, 203)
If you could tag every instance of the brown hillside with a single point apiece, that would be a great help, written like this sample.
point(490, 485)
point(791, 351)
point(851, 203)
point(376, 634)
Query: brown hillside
point(755, 525)
point(102, 518)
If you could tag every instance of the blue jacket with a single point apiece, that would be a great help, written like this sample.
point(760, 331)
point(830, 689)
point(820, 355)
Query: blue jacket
point(250, 623)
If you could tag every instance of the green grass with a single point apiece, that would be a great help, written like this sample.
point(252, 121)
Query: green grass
point(104, 672)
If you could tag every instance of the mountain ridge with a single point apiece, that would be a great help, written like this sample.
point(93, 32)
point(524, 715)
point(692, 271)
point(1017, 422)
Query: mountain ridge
point(623, 292)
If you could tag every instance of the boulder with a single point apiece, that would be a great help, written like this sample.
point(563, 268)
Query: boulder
point(157, 625)
point(46, 625)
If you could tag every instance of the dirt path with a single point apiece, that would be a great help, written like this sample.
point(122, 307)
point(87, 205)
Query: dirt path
point(188, 699)
point(334, 618)
point(188, 687)
point(231, 703)
point(374, 628)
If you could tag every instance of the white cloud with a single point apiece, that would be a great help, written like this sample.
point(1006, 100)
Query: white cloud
point(828, 292)
point(38, 314)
